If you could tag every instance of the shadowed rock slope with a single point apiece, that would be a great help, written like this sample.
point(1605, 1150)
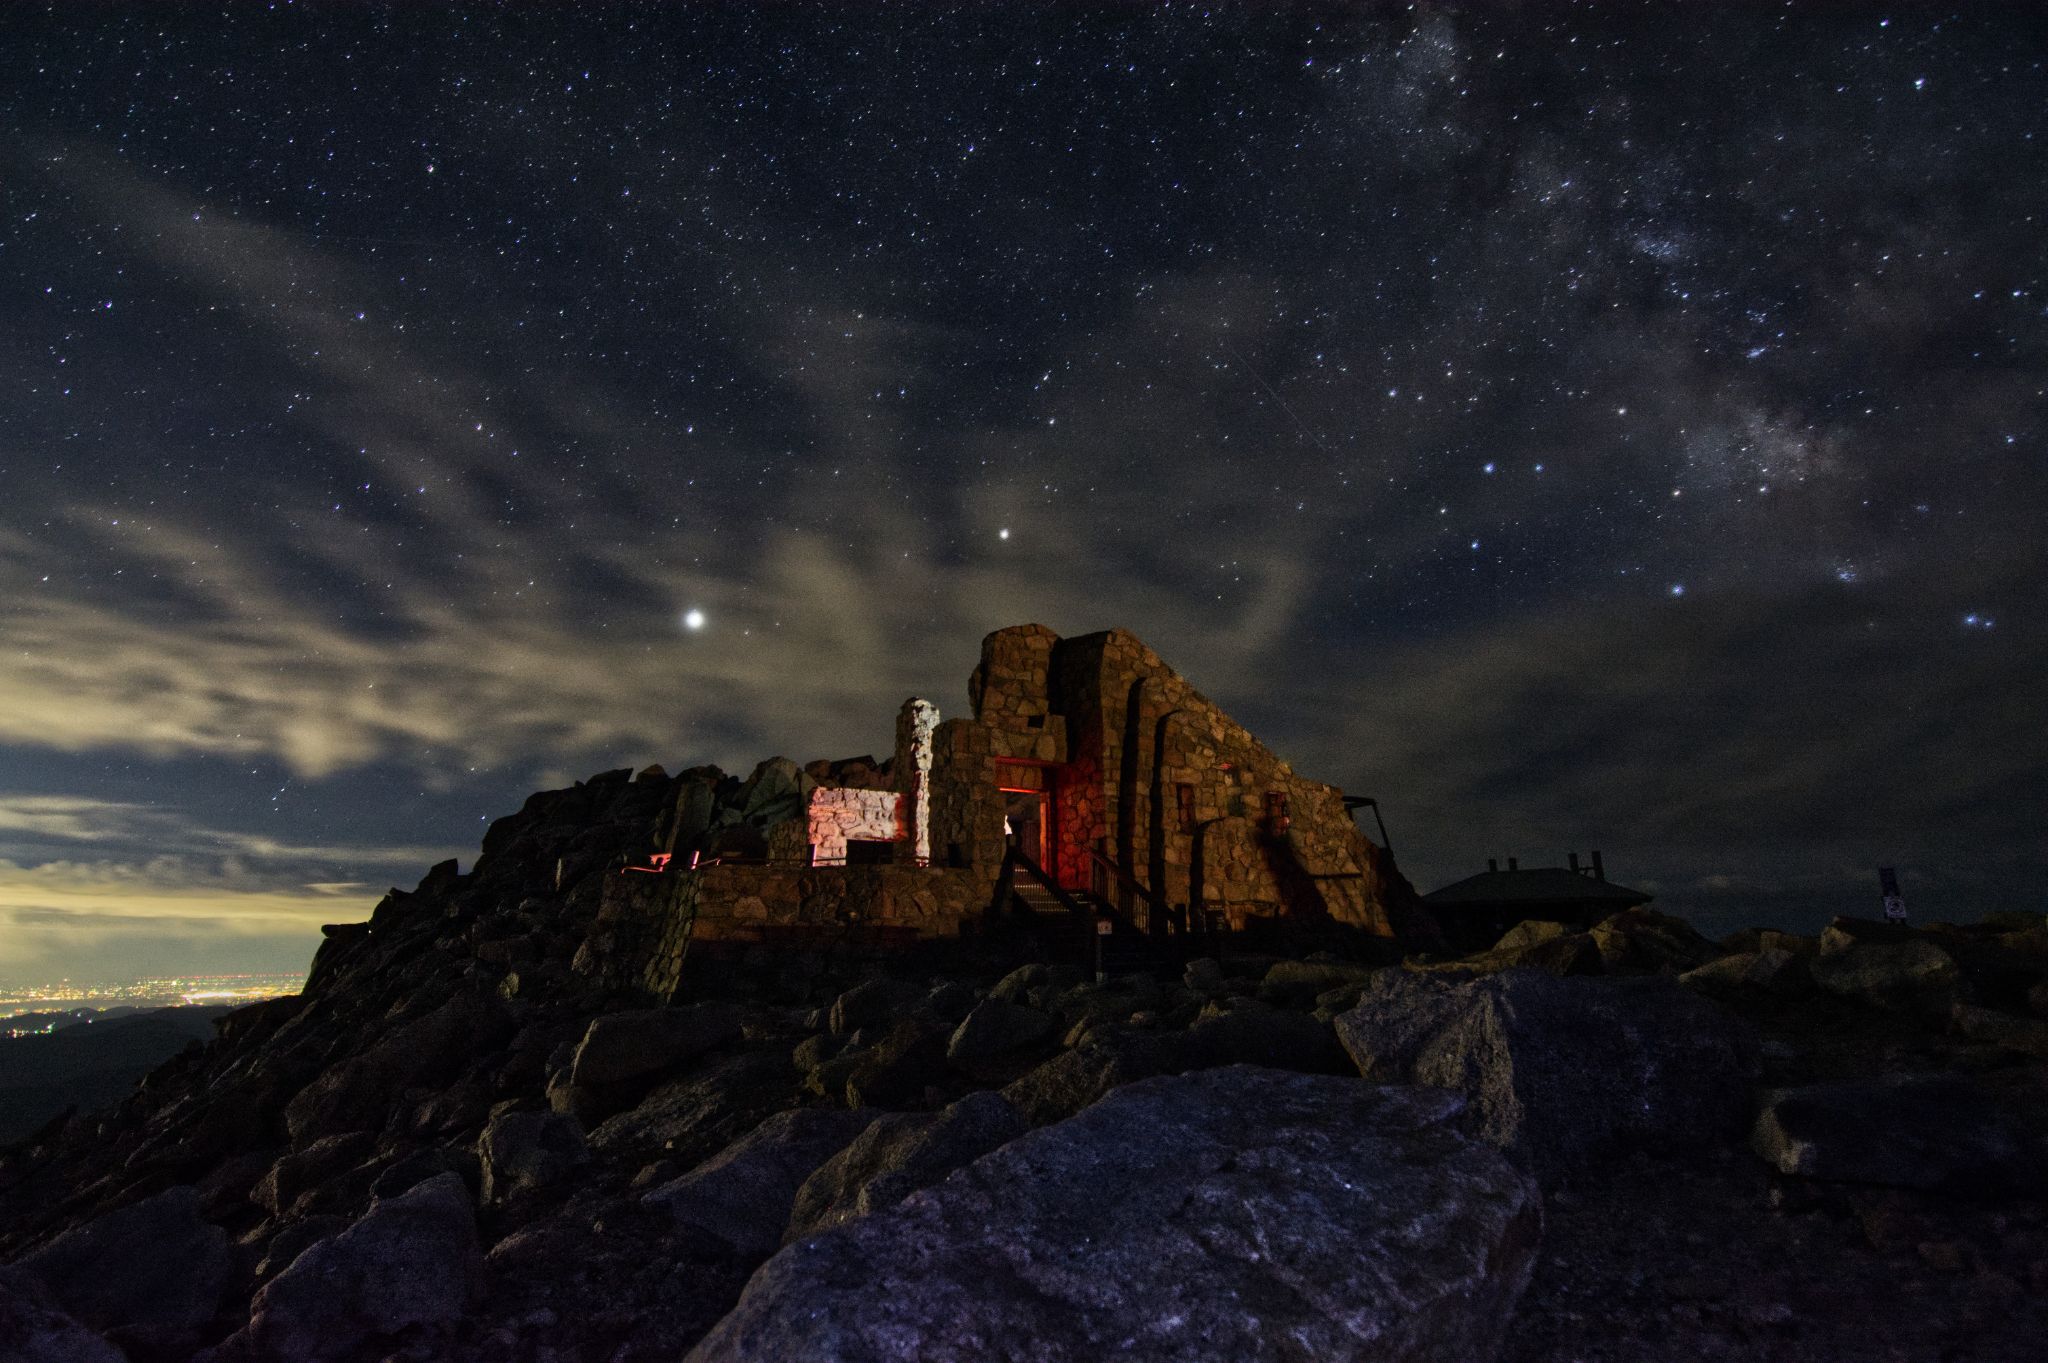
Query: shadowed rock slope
point(456, 1145)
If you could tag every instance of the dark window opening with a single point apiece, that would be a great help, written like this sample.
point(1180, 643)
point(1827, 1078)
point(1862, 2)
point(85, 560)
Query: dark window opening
point(1276, 810)
point(1184, 798)
point(869, 852)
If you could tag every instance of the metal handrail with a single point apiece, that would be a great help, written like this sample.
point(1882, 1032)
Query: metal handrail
point(1014, 857)
point(1153, 904)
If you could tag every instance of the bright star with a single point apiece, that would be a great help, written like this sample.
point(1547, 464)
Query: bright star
point(693, 618)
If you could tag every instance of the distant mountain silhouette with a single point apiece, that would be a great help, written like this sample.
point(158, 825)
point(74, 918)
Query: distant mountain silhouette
point(91, 1065)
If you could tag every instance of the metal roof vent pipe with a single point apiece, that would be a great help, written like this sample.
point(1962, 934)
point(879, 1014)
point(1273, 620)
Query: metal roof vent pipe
point(1514, 865)
point(1492, 864)
point(1574, 856)
point(1599, 870)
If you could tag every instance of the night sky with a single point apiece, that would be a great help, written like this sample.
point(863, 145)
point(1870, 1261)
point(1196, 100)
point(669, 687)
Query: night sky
point(1608, 425)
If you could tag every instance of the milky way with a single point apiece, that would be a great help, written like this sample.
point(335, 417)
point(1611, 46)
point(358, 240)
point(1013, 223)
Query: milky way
point(1609, 425)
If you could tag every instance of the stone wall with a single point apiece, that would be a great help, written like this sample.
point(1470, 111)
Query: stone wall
point(837, 817)
point(764, 904)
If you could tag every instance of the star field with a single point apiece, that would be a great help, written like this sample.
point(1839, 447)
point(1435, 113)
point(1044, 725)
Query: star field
point(1574, 424)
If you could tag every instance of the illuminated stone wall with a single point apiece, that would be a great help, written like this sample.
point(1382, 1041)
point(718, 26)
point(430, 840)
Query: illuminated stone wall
point(837, 817)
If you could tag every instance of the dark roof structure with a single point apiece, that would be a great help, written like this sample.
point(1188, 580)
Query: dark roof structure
point(1533, 889)
point(1473, 912)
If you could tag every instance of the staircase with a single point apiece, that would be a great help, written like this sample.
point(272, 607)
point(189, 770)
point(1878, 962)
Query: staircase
point(1125, 950)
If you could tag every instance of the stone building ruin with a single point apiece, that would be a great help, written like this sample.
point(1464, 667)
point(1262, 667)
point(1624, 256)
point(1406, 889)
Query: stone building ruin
point(1090, 780)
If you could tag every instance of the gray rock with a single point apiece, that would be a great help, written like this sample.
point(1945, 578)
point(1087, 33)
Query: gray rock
point(1904, 977)
point(898, 1069)
point(1908, 1131)
point(521, 1150)
point(34, 1330)
point(993, 1031)
point(295, 1173)
point(153, 1270)
point(1106, 1058)
point(1203, 976)
point(1015, 986)
point(411, 1261)
point(951, 1001)
point(2029, 1036)
point(870, 1004)
point(1529, 934)
point(624, 1048)
point(1292, 1217)
point(1771, 971)
point(1561, 1071)
point(778, 790)
point(702, 1113)
point(897, 1155)
point(743, 1195)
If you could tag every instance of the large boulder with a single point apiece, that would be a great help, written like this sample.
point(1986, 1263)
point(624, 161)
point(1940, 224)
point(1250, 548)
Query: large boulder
point(410, 1262)
point(743, 1195)
point(34, 1330)
point(1903, 977)
point(521, 1150)
point(1562, 1071)
point(627, 1048)
point(151, 1273)
point(1236, 1214)
point(1927, 1131)
point(993, 1033)
point(897, 1155)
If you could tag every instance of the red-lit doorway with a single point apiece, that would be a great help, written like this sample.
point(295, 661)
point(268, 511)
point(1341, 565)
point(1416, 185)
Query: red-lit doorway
point(1028, 822)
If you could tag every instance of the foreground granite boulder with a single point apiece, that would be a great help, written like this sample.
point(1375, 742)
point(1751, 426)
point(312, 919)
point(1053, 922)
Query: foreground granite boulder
point(743, 1195)
point(1925, 1131)
point(151, 1273)
point(33, 1330)
point(1563, 1071)
point(411, 1261)
point(1236, 1214)
point(897, 1155)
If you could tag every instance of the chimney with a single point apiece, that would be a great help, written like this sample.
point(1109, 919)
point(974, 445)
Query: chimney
point(1574, 862)
point(1514, 865)
point(1599, 871)
point(1492, 864)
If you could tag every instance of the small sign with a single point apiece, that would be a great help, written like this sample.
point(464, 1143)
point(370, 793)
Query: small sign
point(1103, 927)
point(1894, 902)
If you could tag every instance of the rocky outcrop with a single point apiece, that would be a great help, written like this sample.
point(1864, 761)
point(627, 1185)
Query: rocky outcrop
point(1561, 1071)
point(1297, 1217)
